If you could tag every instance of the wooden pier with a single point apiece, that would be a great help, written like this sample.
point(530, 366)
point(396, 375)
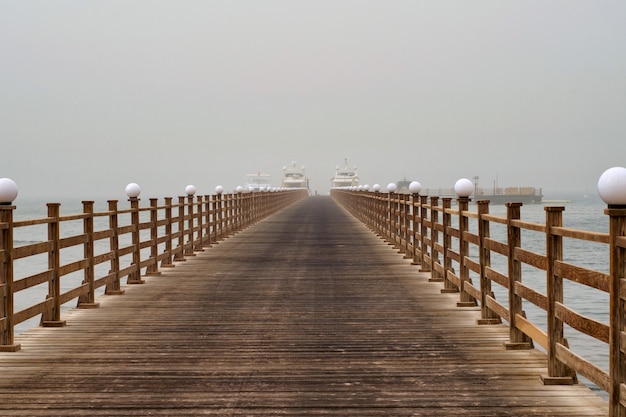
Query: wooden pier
point(306, 313)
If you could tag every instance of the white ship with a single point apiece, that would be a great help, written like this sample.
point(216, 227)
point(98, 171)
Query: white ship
point(345, 176)
point(258, 182)
point(294, 177)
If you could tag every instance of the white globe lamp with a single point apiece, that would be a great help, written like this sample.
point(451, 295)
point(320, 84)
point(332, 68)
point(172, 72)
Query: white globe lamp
point(239, 189)
point(464, 188)
point(612, 187)
point(219, 189)
point(391, 187)
point(376, 187)
point(8, 191)
point(415, 187)
point(133, 190)
point(190, 190)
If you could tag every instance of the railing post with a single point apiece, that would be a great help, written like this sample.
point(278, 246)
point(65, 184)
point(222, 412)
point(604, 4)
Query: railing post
point(466, 300)
point(377, 207)
point(423, 219)
point(179, 256)
point(52, 317)
point(167, 260)
point(206, 240)
point(214, 218)
point(247, 210)
point(135, 276)
point(487, 316)
point(389, 219)
point(88, 300)
point(234, 210)
point(406, 226)
point(225, 215)
point(558, 372)
point(114, 287)
point(220, 228)
point(7, 342)
point(231, 212)
point(448, 286)
point(237, 211)
point(199, 238)
point(395, 221)
point(617, 272)
point(434, 240)
point(153, 268)
point(518, 340)
point(416, 230)
point(190, 245)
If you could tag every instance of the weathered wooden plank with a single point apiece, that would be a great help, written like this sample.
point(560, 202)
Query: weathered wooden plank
point(530, 258)
point(583, 324)
point(581, 234)
point(497, 308)
point(534, 332)
point(496, 246)
point(73, 267)
point(471, 264)
point(583, 367)
point(497, 277)
point(472, 290)
point(532, 295)
point(31, 249)
point(32, 311)
point(74, 293)
point(31, 281)
point(68, 242)
point(585, 276)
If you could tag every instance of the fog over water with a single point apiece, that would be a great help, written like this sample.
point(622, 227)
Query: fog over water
point(97, 94)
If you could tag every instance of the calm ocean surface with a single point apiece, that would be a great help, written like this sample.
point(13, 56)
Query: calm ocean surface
point(580, 213)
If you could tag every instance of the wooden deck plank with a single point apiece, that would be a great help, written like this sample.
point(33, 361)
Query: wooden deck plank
point(306, 313)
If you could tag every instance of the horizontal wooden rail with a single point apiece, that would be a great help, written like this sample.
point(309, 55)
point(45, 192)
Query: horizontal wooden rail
point(118, 243)
point(456, 246)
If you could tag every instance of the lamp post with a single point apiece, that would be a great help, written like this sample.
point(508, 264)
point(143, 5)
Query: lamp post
point(218, 191)
point(242, 208)
point(463, 189)
point(414, 188)
point(612, 190)
point(132, 191)
point(8, 193)
point(391, 220)
point(190, 190)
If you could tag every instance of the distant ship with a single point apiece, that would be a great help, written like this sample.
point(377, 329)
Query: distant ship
point(345, 176)
point(258, 182)
point(526, 195)
point(495, 195)
point(294, 177)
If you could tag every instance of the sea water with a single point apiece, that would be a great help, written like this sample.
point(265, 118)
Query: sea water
point(582, 213)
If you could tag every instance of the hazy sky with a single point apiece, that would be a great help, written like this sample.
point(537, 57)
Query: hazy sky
point(97, 94)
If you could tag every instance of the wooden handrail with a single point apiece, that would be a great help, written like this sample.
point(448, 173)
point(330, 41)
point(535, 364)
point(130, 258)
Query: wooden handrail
point(435, 236)
point(133, 241)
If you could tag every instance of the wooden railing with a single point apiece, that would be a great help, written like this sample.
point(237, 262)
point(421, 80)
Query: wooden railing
point(124, 243)
point(455, 245)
